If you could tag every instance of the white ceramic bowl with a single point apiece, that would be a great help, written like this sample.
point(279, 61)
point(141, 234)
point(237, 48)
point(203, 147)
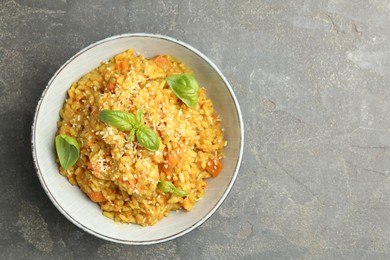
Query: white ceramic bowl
point(70, 201)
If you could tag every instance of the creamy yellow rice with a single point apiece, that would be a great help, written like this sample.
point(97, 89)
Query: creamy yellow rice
point(120, 175)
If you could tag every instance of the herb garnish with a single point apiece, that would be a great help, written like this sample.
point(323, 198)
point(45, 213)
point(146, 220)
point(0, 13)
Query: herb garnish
point(167, 186)
point(125, 121)
point(185, 87)
point(68, 150)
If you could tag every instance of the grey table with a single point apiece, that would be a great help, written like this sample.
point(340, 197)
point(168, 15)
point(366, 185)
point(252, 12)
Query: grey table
point(313, 80)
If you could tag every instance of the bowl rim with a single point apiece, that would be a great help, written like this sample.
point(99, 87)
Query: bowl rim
point(187, 229)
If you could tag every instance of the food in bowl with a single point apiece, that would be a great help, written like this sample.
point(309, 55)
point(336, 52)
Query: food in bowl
point(139, 137)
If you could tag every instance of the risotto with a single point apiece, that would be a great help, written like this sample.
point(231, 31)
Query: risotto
point(133, 179)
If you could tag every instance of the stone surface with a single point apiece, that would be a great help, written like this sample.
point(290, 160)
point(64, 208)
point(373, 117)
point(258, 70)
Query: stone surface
point(312, 78)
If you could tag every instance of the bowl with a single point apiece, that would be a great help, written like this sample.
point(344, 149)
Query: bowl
point(70, 200)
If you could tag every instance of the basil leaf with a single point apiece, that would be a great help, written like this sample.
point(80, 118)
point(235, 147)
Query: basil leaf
point(139, 117)
point(132, 134)
point(167, 186)
point(68, 150)
point(125, 121)
point(185, 87)
point(179, 192)
point(120, 119)
point(147, 138)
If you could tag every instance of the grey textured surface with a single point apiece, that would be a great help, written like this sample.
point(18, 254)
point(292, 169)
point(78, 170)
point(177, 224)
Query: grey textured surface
point(312, 78)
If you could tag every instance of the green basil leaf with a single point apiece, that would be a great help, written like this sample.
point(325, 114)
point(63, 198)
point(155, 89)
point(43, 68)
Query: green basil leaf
point(179, 192)
point(125, 121)
point(147, 138)
point(132, 134)
point(185, 87)
point(68, 150)
point(167, 186)
point(120, 119)
point(139, 117)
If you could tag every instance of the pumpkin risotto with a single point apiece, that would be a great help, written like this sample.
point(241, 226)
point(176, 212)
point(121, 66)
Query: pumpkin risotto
point(115, 167)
